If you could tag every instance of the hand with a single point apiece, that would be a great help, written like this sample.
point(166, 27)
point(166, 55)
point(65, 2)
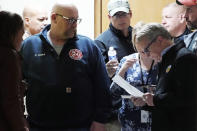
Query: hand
point(111, 67)
point(97, 126)
point(148, 98)
point(128, 63)
point(138, 101)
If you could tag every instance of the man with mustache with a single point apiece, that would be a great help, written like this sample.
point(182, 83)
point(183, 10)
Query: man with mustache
point(191, 19)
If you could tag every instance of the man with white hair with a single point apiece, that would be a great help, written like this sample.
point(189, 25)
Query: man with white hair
point(68, 82)
point(174, 103)
point(173, 19)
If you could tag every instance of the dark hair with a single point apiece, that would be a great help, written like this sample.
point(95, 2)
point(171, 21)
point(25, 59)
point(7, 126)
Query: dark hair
point(10, 24)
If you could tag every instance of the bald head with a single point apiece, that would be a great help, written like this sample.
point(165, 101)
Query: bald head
point(64, 18)
point(173, 19)
point(179, 9)
point(64, 7)
point(35, 18)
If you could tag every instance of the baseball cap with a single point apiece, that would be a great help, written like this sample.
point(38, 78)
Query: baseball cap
point(115, 6)
point(187, 2)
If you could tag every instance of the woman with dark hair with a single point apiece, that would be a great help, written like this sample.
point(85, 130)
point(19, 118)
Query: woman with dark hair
point(11, 89)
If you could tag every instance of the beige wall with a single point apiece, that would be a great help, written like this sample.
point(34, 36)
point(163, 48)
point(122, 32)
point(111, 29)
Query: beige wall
point(143, 10)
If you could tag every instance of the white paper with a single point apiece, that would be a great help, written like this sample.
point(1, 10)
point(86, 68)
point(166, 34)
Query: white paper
point(125, 85)
point(126, 96)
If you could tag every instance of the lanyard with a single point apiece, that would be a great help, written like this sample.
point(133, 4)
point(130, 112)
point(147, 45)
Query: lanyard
point(149, 73)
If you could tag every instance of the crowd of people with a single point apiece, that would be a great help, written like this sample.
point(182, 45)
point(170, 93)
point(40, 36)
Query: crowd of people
point(67, 78)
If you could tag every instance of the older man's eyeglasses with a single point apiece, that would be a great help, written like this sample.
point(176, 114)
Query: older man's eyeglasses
point(70, 20)
point(146, 50)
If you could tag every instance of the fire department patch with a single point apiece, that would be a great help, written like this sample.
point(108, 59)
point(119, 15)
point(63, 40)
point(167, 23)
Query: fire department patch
point(75, 54)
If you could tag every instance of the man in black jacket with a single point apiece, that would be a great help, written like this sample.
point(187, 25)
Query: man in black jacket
point(191, 19)
point(173, 104)
point(118, 36)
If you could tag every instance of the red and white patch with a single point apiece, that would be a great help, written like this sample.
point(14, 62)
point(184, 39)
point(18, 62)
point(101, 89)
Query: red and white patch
point(75, 54)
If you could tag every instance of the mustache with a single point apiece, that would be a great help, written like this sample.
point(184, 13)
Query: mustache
point(191, 25)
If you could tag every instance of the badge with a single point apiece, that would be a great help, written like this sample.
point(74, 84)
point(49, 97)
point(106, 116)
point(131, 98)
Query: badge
point(144, 116)
point(75, 54)
point(168, 68)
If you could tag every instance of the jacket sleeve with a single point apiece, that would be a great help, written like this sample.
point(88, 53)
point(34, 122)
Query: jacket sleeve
point(103, 49)
point(11, 102)
point(101, 84)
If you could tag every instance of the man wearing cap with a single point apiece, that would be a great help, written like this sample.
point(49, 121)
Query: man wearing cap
point(118, 36)
point(191, 19)
point(119, 33)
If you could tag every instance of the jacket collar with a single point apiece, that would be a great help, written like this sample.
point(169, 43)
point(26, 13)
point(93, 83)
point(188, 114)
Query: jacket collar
point(119, 33)
point(171, 53)
point(47, 28)
point(188, 38)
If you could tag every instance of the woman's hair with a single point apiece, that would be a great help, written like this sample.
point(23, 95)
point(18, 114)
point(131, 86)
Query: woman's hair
point(136, 28)
point(10, 24)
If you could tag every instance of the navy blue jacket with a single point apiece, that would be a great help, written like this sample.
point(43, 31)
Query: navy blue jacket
point(65, 91)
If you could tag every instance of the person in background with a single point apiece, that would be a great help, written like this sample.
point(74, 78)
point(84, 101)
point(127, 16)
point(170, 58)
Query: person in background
point(118, 36)
point(191, 19)
point(35, 18)
point(141, 72)
point(173, 19)
point(68, 82)
point(174, 102)
point(11, 89)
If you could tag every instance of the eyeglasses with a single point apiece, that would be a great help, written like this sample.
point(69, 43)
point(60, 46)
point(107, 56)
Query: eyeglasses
point(71, 20)
point(146, 50)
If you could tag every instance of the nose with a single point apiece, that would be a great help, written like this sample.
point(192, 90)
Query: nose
point(45, 22)
point(163, 22)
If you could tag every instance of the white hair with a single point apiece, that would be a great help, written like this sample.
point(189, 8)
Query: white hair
point(150, 32)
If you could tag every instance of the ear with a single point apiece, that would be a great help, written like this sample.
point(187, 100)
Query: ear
point(182, 18)
point(130, 13)
point(54, 17)
point(27, 21)
point(159, 39)
point(109, 16)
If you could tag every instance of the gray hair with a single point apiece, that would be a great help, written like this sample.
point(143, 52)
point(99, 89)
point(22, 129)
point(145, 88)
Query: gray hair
point(136, 28)
point(150, 32)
